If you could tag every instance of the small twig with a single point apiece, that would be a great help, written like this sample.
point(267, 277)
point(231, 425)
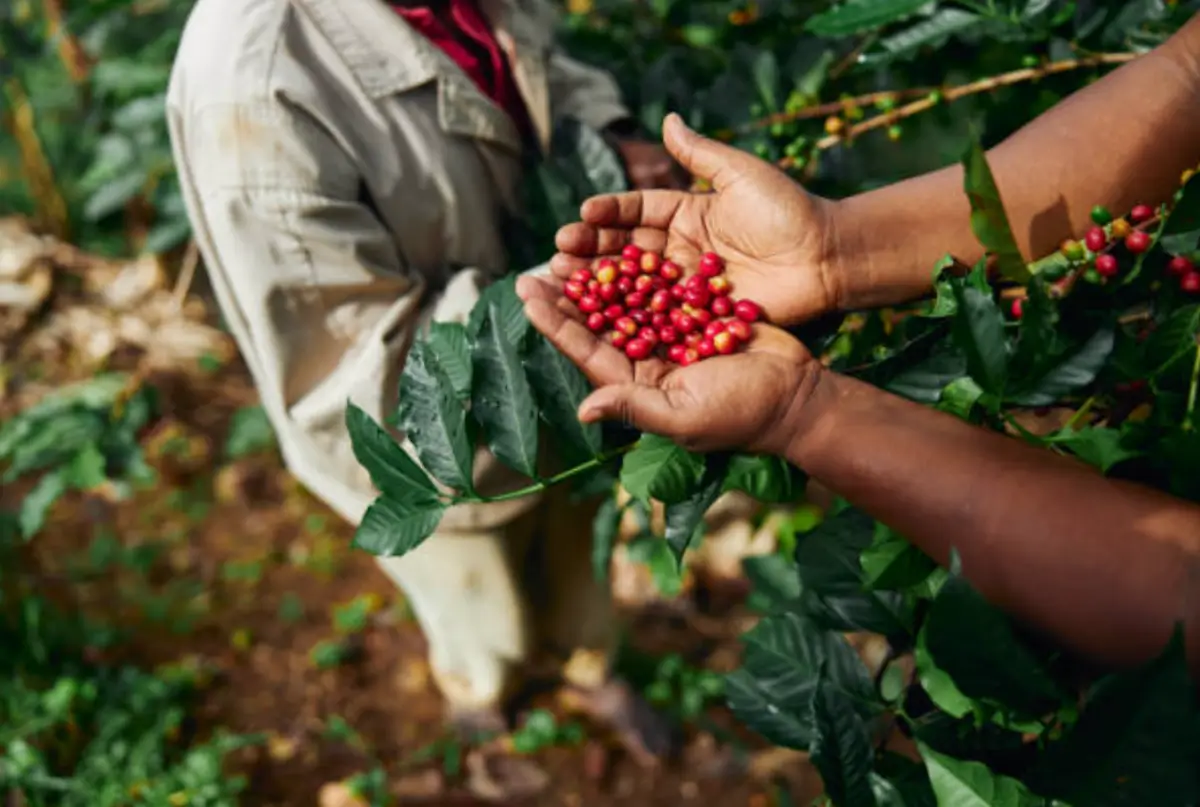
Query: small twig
point(833, 107)
point(962, 91)
point(187, 272)
point(1192, 388)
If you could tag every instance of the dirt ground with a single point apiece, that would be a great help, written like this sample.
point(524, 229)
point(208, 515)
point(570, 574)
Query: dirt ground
point(252, 571)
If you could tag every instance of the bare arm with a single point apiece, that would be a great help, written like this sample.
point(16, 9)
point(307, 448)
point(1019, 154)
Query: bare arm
point(1119, 142)
point(1104, 566)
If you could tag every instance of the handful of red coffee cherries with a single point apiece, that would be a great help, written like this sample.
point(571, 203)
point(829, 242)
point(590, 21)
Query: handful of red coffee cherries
point(642, 304)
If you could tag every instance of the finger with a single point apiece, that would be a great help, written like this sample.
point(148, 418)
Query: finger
point(704, 158)
point(539, 288)
point(642, 407)
point(654, 209)
point(587, 241)
point(562, 264)
point(599, 361)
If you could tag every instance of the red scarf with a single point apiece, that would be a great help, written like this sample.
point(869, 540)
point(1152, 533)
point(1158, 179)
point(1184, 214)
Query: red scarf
point(464, 34)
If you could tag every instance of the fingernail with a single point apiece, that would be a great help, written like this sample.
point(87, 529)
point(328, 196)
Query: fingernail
point(524, 287)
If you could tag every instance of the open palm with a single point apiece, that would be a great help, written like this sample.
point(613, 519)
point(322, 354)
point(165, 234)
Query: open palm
point(773, 235)
point(747, 400)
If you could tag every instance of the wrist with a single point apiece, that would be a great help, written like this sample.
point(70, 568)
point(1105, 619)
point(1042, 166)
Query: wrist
point(805, 421)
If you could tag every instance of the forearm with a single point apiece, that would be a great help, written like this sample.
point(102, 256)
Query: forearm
point(1119, 142)
point(1106, 567)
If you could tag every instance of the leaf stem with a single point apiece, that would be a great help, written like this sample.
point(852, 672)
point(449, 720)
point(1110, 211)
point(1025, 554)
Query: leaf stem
point(1191, 402)
point(1080, 414)
point(550, 481)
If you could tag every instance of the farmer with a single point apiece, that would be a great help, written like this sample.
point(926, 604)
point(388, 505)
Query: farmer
point(1105, 566)
point(349, 167)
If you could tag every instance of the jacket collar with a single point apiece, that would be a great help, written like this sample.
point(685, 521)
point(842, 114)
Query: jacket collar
point(388, 57)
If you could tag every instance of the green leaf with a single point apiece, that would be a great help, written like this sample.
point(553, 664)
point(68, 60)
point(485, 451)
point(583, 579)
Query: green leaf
point(390, 529)
point(1181, 231)
point(926, 381)
point(970, 784)
point(451, 345)
point(250, 431)
point(978, 329)
point(989, 222)
point(932, 32)
point(659, 469)
point(1037, 336)
point(891, 562)
point(434, 419)
point(605, 527)
point(560, 388)
point(766, 79)
point(841, 748)
point(784, 656)
point(937, 683)
point(502, 400)
point(773, 580)
point(1135, 743)
point(700, 36)
point(766, 478)
point(1174, 338)
point(685, 519)
point(1096, 445)
point(856, 16)
point(86, 469)
point(960, 397)
point(393, 472)
point(511, 311)
point(38, 501)
point(1074, 371)
point(114, 195)
point(832, 578)
point(166, 235)
point(975, 644)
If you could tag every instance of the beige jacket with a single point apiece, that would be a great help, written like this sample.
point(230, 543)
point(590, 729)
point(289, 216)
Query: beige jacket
point(345, 182)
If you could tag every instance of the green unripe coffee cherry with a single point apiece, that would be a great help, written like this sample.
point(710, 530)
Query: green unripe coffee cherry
point(1030, 61)
point(936, 97)
point(761, 150)
point(777, 130)
point(895, 132)
point(1101, 216)
point(1073, 250)
point(1092, 276)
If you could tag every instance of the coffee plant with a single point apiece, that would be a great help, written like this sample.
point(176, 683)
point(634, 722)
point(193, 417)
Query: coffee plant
point(1106, 328)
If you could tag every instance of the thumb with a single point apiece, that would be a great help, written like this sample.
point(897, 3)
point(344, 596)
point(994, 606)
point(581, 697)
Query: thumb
point(704, 158)
point(644, 408)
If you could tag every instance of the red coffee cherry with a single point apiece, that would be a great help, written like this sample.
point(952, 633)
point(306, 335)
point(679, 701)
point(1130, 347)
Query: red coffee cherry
point(702, 317)
point(1137, 242)
point(629, 268)
point(675, 353)
point(1190, 283)
point(596, 322)
point(1141, 213)
point(1180, 265)
point(711, 264)
point(624, 284)
point(589, 303)
point(648, 335)
point(661, 301)
point(606, 271)
point(668, 335)
point(608, 292)
point(638, 349)
point(719, 285)
point(1106, 266)
point(725, 343)
point(1017, 308)
point(721, 306)
point(632, 252)
point(651, 262)
point(1095, 240)
point(686, 323)
point(698, 298)
point(614, 312)
point(706, 348)
point(641, 316)
point(740, 330)
point(678, 292)
point(713, 328)
point(747, 310)
point(670, 271)
point(618, 339)
point(626, 325)
point(574, 291)
point(660, 320)
point(689, 356)
point(644, 283)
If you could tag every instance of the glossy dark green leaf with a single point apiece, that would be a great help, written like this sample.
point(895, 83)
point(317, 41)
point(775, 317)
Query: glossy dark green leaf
point(1096, 445)
point(975, 644)
point(855, 16)
point(989, 221)
point(841, 748)
point(451, 345)
point(960, 397)
point(1181, 231)
point(773, 580)
point(390, 529)
point(978, 329)
point(766, 478)
point(831, 576)
point(605, 527)
point(1172, 340)
point(771, 693)
point(434, 419)
point(559, 388)
point(931, 32)
point(657, 468)
point(891, 562)
point(1136, 742)
point(959, 783)
point(1037, 336)
point(393, 472)
point(924, 382)
point(502, 401)
point(510, 310)
point(1074, 371)
point(685, 519)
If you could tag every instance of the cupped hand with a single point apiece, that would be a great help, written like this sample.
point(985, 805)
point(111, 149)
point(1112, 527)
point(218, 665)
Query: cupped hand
point(775, 237)
point(752, 400)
